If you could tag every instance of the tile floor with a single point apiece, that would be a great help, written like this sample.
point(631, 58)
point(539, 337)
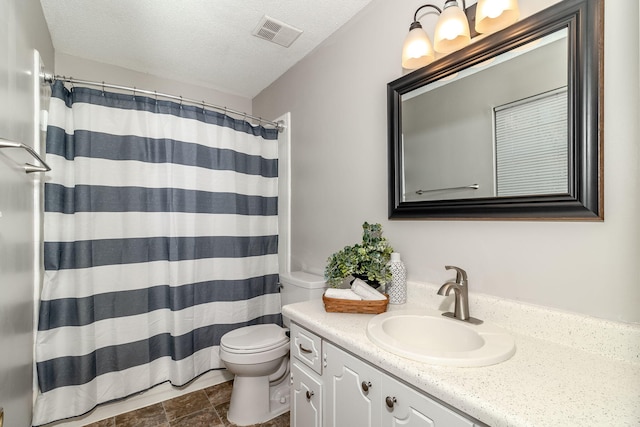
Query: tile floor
point(203, 408)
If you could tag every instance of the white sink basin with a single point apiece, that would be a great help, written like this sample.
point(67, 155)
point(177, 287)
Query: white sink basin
point(427, 336)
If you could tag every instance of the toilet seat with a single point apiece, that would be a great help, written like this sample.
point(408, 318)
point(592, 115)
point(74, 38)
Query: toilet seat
point(254, 339)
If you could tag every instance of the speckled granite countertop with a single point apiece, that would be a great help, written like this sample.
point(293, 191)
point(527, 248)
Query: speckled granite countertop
point(587, 374)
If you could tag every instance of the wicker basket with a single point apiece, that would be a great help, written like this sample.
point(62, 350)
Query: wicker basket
point(336, 305)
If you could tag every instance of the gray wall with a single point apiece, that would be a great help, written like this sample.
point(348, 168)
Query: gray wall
point(86, 69)
point(337, 98)
point(22, 29)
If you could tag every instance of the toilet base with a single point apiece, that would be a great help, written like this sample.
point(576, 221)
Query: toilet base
point(279, 399)
point(266, 402)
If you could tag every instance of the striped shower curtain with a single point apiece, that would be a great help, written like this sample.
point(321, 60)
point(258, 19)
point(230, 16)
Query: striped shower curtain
point(161, 235)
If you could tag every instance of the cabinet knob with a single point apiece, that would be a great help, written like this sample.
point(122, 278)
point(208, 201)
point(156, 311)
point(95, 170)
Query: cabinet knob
point(391, 401)
point(365, 386)
point(309, 394)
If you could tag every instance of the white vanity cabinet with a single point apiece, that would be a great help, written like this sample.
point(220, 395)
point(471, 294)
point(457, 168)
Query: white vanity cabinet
point(306, 380)
point(357, 394)
point(344, 391)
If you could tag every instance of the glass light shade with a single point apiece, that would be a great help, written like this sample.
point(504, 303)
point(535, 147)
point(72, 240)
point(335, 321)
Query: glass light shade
point(494, 15)
point(452, 30)
point(417, 50)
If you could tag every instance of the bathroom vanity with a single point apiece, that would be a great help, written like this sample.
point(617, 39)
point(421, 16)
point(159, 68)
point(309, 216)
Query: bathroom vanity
point(567, 370)
point(331, 387)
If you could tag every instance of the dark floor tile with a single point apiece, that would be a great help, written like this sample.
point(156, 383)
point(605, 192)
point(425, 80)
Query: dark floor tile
point(219, 393)
point(282, 420)
point(150, 416)
point(186, 404)
point(279, 421)
point(109, 422)
point(222, 410)
point(206, 417)
point(201, 408)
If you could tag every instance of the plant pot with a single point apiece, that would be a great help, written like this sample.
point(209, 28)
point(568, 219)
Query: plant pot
point(373, 283)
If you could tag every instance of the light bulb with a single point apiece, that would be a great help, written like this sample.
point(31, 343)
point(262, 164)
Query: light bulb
point(417, 50)
point(493, 9)
point(494, 15)
point(452, 29)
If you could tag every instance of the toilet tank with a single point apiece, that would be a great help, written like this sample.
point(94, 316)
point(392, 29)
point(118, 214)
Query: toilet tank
point(298, 286)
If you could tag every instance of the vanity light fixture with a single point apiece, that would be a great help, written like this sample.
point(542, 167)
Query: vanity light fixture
point(452, 28)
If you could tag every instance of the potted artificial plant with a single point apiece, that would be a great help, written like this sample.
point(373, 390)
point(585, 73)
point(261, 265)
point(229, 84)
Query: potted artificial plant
point(367, 260)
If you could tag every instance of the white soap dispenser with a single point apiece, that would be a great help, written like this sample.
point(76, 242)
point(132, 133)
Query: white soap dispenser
point(397, 288)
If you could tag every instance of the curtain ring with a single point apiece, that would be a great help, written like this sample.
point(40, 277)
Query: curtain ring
point(134, 93)
point(180, 101)
point(203, 109)
point(225, 111)
point(103, 88)
point(156, 94)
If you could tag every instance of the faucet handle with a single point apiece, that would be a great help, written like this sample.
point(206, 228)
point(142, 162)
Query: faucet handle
point(461, 275)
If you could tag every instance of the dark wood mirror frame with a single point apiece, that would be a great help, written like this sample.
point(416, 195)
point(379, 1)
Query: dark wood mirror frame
point(584, 200)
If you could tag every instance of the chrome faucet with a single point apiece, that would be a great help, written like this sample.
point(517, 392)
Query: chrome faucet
point(461, 289)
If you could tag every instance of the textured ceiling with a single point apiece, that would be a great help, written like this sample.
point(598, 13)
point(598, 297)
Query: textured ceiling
point(203, 42)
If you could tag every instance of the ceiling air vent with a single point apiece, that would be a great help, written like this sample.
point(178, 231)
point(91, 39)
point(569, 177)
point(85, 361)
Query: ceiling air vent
point(276, 31)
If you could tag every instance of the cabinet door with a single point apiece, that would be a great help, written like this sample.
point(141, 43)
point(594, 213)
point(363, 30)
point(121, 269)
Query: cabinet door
point(306, 397)
point(352, 390)
point(406, 407)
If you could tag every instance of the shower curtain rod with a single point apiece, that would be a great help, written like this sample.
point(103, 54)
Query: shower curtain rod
point(49, 78)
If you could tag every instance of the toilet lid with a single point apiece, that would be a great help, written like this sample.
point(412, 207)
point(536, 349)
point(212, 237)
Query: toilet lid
point(254, 338)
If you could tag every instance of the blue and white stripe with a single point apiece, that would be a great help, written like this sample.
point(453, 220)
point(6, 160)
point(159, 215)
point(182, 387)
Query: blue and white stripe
point(161, 235)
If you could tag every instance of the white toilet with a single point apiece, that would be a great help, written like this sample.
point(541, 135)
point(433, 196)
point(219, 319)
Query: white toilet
point(258, 356)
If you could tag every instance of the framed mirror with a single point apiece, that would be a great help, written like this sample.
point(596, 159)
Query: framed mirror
point(510, 127)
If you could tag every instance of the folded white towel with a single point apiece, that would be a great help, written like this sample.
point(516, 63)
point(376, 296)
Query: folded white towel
point(342, 294)
point(365, 291)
